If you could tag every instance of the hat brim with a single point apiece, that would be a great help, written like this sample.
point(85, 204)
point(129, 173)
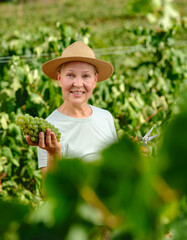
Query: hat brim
point(105, 69)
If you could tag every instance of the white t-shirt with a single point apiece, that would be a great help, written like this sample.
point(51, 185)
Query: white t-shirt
point(82, 137)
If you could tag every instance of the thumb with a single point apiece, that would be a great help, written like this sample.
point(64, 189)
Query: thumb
point(28, 138)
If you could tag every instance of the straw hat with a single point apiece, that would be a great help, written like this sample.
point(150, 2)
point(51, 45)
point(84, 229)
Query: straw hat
point(78, 51)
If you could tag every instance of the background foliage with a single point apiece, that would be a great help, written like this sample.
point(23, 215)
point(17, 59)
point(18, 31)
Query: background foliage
point(132, 195)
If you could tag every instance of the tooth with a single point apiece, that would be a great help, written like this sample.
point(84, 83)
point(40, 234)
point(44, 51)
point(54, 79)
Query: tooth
point(78, 92)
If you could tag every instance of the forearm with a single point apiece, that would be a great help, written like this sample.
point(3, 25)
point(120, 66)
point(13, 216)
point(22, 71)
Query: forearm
point(51, 159)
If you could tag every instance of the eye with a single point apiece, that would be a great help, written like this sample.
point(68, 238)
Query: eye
point(70, 75)
point(86, 76)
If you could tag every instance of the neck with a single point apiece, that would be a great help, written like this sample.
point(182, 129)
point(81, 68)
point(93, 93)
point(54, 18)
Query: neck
point(76, 111)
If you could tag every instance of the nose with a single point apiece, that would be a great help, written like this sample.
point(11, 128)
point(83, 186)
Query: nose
point(78, 82)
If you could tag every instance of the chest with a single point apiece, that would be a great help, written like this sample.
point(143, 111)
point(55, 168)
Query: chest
point(79, 139)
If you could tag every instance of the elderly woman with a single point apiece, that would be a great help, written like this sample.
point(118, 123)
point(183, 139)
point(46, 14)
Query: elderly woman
point(85, 129)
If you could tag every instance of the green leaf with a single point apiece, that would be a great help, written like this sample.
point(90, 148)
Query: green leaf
point(4, 120)
point(11, 212)
point(6, 152)
point(123, 177)
point(173, 153)
point(16, 162)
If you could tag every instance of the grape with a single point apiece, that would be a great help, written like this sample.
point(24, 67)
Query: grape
point(32, 126)
point(33, 139)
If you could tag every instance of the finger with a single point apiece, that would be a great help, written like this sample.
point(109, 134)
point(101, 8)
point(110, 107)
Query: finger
point(48, 137)
point(28, 139)
point(41, 142)
point(53, 138)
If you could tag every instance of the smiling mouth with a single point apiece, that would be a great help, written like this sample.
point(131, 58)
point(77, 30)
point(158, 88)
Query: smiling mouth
point(77, 92)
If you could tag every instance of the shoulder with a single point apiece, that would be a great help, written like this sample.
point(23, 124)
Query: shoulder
point(102, 112)
point(54, 117)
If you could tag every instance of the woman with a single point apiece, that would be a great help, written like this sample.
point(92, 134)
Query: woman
point(85, 129)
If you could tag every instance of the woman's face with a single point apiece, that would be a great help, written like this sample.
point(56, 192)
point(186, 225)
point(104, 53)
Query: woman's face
point(77, 80)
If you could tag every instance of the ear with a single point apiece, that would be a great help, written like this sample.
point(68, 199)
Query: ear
point(96, 78)
point(59, 77)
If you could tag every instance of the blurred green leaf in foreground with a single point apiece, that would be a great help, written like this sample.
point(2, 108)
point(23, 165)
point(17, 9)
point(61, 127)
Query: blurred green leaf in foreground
point(131, 195)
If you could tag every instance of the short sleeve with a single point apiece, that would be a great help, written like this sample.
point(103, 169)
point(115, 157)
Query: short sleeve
point(113, 129)
point(42, 157)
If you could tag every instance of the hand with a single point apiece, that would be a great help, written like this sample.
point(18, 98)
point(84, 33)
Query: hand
point(49, 143)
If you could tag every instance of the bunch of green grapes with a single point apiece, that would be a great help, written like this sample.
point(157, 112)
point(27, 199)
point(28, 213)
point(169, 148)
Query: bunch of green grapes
point(32, 126)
